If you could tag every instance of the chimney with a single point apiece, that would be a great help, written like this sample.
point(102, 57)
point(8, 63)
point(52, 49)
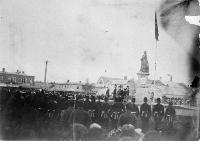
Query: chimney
point(3, 69)
point(125, 77)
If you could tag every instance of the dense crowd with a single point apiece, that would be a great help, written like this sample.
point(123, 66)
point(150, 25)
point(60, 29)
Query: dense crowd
point(39, 114)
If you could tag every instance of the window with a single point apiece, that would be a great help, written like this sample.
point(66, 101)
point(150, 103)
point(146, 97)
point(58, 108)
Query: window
point(14, 79)
point(1, 78)
point(9, 78)
point(77, 87)
point(23, 80)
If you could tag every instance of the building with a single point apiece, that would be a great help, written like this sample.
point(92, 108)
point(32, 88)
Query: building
point(68, 86)
point(17, 78)
point(76, 87)
point(104, 83)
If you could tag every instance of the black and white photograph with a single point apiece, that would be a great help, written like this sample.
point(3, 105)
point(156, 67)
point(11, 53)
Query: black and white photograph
point(100, 70)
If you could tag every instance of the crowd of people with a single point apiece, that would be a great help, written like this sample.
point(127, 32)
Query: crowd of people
point(39, 114)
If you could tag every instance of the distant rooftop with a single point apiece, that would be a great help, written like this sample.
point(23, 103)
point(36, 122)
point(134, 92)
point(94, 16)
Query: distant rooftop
point(109, 79)
point(17, 72)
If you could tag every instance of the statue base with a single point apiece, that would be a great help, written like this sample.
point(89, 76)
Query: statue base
point(142, 77)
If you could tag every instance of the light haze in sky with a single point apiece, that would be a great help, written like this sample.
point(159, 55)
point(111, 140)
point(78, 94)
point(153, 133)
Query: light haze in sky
point(86, 39)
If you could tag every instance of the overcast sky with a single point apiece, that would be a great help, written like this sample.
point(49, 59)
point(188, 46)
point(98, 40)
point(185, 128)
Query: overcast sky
point(83, 38)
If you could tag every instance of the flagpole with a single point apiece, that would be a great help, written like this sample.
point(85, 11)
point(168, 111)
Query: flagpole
point(155, 62)
point(156, 38)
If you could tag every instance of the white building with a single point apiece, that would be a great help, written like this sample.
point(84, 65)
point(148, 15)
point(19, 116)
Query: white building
point(105, 83)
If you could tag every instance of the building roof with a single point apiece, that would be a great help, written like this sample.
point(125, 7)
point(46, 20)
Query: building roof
point(157, 82)
point(177, 89)
point(70, 83)
point(62, 89)
point(119, 82)
point(108, 79)
point(15, 73)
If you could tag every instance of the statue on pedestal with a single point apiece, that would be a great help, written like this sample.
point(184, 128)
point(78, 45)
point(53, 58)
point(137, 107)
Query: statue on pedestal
point(144, 64)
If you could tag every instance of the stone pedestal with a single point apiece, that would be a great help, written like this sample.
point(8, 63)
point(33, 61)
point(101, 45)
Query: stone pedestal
point(142, 78)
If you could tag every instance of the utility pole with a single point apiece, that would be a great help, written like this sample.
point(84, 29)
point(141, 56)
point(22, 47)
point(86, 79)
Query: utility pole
point(45, 75)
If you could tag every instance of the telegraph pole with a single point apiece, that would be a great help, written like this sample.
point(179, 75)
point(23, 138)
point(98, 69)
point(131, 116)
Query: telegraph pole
point(45, 75)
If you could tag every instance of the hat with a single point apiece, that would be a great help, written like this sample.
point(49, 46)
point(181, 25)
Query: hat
point(145, 99)
point(158, 99)
point(95, 125)
point(133, 99)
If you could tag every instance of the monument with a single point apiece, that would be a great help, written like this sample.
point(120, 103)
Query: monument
point(144, 70)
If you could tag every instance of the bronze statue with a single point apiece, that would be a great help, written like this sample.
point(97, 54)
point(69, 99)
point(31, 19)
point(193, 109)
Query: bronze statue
point(144, 63)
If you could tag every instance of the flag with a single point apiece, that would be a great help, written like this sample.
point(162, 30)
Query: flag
point(156, 27)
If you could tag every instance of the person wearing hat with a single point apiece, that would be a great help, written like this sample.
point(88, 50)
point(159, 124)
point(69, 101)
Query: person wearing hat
point(134, 108)
point(145, 114)
point(86, 103)
point(115, 111)
point(127, 117)
point(80, 116)
point(93, 109)
point(115, 93)
point(98, 107)
point(170, 114)
point(104, 113)
point(108, 92)
point(158, 114)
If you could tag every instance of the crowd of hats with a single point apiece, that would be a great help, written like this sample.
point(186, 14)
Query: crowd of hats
point(37, 114)
point(174, 100)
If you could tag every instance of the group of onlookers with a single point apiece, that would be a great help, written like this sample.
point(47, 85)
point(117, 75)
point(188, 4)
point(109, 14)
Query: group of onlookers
point(38, 114)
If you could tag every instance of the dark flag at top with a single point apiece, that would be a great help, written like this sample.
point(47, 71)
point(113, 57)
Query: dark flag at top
point(156, 27)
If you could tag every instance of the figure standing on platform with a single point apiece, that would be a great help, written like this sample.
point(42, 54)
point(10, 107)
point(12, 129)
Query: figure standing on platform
point(115, 92)
point(108, 93)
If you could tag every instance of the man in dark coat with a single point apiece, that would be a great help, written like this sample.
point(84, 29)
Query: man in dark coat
point(170, 115)
point(134, 108)
point(65, 114)
point(86, 103)
point(115, 93)
point(127, 117)
point(80, 116)
point(115, 111)
point(108, 93)
point(93, 111)
point(104, 113)
point(98, 107)
point(145, 114)
point(158, 114)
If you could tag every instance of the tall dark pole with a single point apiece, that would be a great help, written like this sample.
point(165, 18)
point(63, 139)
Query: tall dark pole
point(45, 76)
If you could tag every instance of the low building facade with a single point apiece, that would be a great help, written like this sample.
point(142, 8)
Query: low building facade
point(17, 78)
